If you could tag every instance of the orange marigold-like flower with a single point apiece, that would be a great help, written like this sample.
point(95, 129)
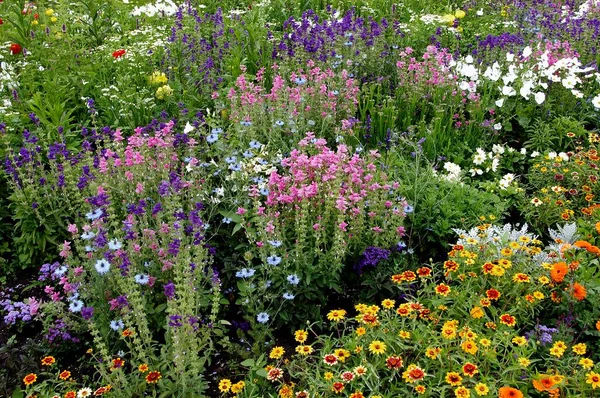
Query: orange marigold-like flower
point(508, 320)
point(337, 387)
point(30, 379)
point(598, 326)
point(64, 375)
point(71, 394)
point(558, 272)
point(582, 244)
point(153, 377)
point(578, 291)
point(393, 362)
point(48, 361)
point(509, 392)
point(442, 289)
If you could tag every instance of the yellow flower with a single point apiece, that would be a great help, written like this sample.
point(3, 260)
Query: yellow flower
point(224, 385)
point(301, 336)
point(34, 22)
point(388, 304)
point(238, 387)
point(336, 315)
point(453, 378)
point(304, 349)
point(524, 362)
point(593, 378)
point(469, 347)
point(586, 363)
point(328, 376)
point(544, 280)
point(449, 19)
point(579, 349)
point(519, 340)
point(460, 14)
point(404, 334)
point(538, 295)
point(164, 91)
point(49, 12)
point(432, 352)
point(276, 352)
point(377, 347)
point(481, 389)
point(342, 354)
point(360, 331)
point(477, 312)
point(158, 78)
point(462, 392)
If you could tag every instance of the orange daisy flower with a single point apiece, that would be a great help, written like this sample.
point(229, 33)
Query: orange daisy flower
point(442, 289)
point(509, 392)
point(578, 291)
point(393, 362)
point(558, 272)
point(470, 369)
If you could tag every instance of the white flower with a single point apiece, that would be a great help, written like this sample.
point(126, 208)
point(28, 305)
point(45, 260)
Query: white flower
point(536, 202)
point(510, 57)
point(508, 91)
point(493, 73)
point(535, 154)
point(84, 392)
point(523, 151)
point(539, 97)
point(563, 156)
point(497, 126)
point(102, 266)
point(479, 158)
point(570, 81)
point(475, 172)
point(596, 101)
point(498, 149)
point(495, 164)
point(188, 128)
point(527, 52)
point(506, 180)
point(552, 155)
point(500, 102)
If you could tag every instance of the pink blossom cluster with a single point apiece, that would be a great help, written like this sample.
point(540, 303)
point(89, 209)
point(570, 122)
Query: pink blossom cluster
point(352, 184)
point(311, 90)
point(432, 69)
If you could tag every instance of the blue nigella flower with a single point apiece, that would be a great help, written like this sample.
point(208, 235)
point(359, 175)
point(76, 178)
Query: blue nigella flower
point(299, 80)
point(279, 123)
point(288, 296)
point(227, 220)
point(245, 273)
point(142, 279)
point(248, 154)
point(293, 279)
point(96, 214)
point(408, 209)
point(88, 235)
point(255, 144)
point(263, 317)
point(275, 243)
point(273, 260)
point(231, 159)
point(246, 123)
point(212, 138)
point(235, 167)
point(102, 266)
point(117, 324)
point(264, 191)
point(76, 306)
point(114, 244)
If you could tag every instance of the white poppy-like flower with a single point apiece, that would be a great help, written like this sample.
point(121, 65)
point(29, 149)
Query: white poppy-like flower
point(500, 102)
point(508, 91)
point(527, 52)
point(596, 101)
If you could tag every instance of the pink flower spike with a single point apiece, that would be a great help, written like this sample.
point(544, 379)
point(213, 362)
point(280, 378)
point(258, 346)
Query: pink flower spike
point(78, 271)
point(401, 231)
point(260, 244)
point(343, 226)
point(316, 226)
point(241, 211)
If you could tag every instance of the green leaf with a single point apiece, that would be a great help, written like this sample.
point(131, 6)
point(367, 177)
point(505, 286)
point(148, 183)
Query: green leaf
point(261, 372)
point(248, 362)
point(236, 228)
